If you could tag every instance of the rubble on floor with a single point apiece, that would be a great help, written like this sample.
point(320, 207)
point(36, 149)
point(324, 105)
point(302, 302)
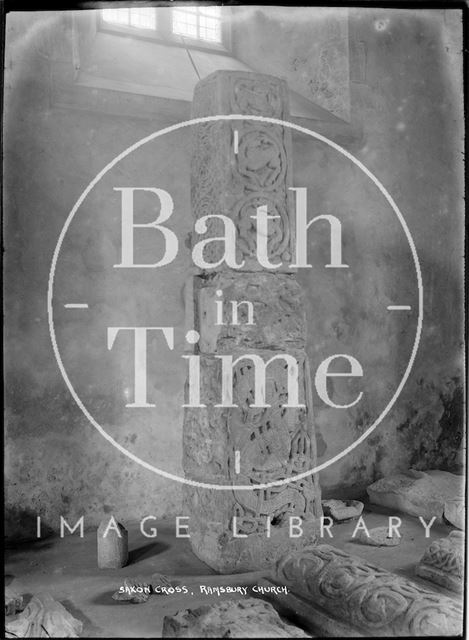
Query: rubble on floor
point(443, 562)
point(13, 602)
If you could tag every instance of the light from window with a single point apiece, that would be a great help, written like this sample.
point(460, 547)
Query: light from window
point(198, 22)
point(140, 18)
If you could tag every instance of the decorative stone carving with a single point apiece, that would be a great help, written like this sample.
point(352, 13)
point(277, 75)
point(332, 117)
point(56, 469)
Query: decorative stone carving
point(373, 601)
point(243, 530)
point(443, 561)
point(418, 493)
point(139, 589)
point(248, 618)
point(136, 590)
point(258, 173)
point(44, 617)
point(342, 510)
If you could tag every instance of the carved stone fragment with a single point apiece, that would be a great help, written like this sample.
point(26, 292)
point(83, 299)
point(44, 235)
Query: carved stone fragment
point(44, 617)
point(370, 599)
point(136, 590)
point(259, 173)
point(418, 493)
point(443, 562)
point(341, 510)
point(248, 618)
point(378, 537)
point(139, 589)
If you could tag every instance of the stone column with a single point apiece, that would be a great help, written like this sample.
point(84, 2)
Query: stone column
point(238, 166)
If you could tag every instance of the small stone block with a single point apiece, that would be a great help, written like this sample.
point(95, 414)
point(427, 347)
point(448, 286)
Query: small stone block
point(113, 547)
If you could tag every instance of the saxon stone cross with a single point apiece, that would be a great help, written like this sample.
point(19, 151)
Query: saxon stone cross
point(238, 166)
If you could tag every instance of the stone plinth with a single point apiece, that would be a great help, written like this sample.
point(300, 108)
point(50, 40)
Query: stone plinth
point(238, 166)
point(443, 562)
point(371, 600)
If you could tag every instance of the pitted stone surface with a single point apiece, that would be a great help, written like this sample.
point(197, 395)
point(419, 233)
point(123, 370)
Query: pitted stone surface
point(112, 544)
point(44, 617)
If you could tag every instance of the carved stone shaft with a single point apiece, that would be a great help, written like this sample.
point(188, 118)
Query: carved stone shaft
point(248, 618)
point(238, 166)
point(372, 600)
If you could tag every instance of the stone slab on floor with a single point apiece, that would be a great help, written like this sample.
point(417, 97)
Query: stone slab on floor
point(250, 618)
point(418, 493)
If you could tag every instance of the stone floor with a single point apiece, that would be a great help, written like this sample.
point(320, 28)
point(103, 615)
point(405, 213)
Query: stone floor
point(66, 568)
